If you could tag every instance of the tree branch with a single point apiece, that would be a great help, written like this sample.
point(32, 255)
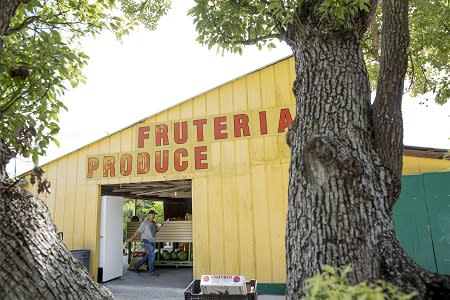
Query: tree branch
point(252, 10)
point(24, 24)
point(17, 180)
point(375, 39)
point(386, 114)
point(277, 22)
point(15, 96)
point(412, 74)
point(261, 38)
point(425, 77)
point(40, 98)
point(230, 40)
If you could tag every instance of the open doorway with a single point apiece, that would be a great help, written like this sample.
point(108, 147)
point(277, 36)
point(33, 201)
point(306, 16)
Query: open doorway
point(173, 202)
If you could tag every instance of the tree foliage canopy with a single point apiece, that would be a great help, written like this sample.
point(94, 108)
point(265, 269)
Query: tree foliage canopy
point(41, 56)
point(230, 25)
point(429, 66)
point(145, 12)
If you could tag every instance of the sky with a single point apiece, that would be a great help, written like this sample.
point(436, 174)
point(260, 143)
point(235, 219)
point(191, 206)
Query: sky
point(151, 71)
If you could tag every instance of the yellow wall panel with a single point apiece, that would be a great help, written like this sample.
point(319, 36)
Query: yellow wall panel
point(69, 199)
point(276, 174)
point(60, 193)
point(242, 158)
point(227, 159)
point(240, 94)
point(186, 110)
point(246, 236)
point(257, 151)
point(231, 223)
point(174, 113)
point(216, 244)
point(199, 104)
point(152, 119)
point(254, 91)
point(104, 145)
point(417, 165)
point(271, 152)
point(162, 116)
point(226, 98)
point(115, 142)
point(229, 208)
point(200, 225)
point(80, 202)
point(127, 141)
point(92, 223)
point(284, 151)
point(212, 102)
point(268, 94)
point(215, 162)
point(245, 209)
point(261, 226)
point(283, 83)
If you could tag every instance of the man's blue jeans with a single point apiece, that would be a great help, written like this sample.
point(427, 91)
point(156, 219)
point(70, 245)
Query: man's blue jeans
point(149, 257)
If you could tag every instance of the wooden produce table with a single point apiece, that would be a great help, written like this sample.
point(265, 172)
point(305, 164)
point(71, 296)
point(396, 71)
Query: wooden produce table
point(170, 231)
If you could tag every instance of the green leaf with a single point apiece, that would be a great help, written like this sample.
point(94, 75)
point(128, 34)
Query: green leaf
point(48, 50)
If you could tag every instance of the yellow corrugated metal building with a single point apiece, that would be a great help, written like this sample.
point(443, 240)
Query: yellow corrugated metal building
point(230, 141)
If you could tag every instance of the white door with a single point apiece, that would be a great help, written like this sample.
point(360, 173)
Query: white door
point(110, 258)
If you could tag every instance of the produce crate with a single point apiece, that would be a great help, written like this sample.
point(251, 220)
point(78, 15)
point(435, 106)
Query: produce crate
point(192, 292)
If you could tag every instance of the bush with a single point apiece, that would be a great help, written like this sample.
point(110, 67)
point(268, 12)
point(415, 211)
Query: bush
point(331, 284)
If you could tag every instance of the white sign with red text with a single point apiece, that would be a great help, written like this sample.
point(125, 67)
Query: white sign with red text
point(223, 285)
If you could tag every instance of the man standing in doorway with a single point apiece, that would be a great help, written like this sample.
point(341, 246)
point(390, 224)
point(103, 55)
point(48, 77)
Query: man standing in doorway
point(148, 230)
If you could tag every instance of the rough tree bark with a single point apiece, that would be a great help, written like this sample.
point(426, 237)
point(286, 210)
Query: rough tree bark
point(346, 156)
point(7, 10)
point(34, 263)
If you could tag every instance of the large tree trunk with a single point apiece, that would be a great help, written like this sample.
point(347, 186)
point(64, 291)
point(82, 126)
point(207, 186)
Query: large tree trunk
point(336, 186)
point(345, 173)
point(34, 263)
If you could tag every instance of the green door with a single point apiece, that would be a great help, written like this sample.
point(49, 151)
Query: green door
point(411, 222)
point(437, 191)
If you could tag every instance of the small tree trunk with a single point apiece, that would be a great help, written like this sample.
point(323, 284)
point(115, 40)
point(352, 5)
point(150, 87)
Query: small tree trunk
point(35, 263)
